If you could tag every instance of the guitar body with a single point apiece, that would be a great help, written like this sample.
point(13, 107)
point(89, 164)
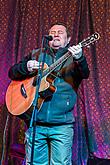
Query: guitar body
point(20, 94)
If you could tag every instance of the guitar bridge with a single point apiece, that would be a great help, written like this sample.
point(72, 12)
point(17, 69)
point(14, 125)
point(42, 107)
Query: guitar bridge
point(23, 91)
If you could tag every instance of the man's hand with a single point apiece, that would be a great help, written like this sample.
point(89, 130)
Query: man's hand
point(33, 65)
point(76, 51)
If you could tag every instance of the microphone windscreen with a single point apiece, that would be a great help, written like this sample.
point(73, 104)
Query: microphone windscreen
point(48, 37)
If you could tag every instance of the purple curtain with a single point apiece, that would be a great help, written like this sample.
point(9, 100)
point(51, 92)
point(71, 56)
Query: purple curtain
point(22, 25)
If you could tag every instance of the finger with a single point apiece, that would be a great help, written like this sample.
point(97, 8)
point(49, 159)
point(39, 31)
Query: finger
point(33, 64)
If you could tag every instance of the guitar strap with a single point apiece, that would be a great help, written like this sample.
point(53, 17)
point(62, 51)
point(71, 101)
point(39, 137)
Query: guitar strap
point(58, 71)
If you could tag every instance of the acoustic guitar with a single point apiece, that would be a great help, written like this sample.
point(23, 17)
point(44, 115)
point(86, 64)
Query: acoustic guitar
point(20, 94)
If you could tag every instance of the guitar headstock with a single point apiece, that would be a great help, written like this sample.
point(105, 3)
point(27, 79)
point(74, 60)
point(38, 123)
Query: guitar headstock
point(94, 37)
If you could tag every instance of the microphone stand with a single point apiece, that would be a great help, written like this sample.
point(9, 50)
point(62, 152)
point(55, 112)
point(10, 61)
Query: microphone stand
point(35, 108)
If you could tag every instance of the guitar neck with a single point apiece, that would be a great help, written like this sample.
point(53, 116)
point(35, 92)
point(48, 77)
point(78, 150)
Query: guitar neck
point(56, 64)
point(62, 59)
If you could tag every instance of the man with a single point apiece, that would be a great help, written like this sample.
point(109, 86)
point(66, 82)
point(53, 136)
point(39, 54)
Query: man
point(54, 121)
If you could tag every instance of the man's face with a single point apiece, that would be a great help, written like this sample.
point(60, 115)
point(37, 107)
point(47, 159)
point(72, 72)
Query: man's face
point(59, 34)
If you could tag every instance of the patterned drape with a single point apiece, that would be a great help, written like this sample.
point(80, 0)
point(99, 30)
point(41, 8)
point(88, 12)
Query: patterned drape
point(22, 25)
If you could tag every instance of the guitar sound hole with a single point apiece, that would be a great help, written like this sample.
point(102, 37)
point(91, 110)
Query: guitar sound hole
point(23, 91)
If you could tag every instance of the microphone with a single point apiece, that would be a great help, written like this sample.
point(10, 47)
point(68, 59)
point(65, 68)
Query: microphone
point(48, 37)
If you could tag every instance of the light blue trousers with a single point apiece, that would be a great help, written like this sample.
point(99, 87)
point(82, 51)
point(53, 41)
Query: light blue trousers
point(52, 145)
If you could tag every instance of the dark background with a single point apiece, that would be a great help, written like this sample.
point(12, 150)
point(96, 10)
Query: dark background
point(22, 26)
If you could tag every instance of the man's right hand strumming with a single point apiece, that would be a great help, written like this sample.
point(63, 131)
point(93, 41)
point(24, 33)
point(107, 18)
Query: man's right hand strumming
point(33, 65)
